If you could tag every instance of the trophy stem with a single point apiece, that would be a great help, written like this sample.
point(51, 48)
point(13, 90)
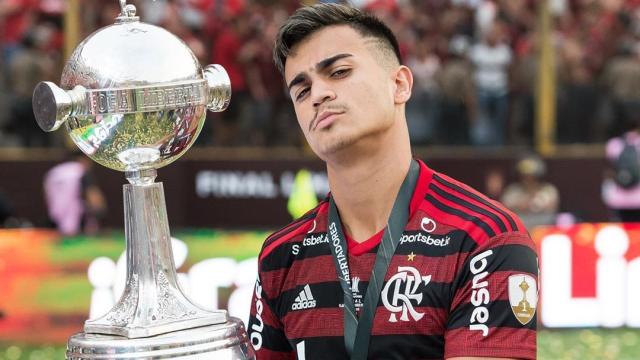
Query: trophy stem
point(152, 302)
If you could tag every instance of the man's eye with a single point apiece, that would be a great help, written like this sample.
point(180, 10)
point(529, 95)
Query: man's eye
point(340, 73)
point(302, 93)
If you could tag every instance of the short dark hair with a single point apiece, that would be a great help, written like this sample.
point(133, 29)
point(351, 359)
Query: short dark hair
point(309, 19)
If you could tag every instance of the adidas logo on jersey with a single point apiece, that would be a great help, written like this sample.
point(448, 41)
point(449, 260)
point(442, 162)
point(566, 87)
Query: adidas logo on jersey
point(304, 300)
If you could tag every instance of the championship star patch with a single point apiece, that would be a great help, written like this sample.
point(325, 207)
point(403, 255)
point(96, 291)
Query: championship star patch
point(523, 296)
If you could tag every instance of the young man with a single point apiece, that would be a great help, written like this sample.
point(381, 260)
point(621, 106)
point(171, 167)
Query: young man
point(399, 262)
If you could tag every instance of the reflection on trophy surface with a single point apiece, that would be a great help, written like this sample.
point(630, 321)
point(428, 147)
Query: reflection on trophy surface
point(133, 97)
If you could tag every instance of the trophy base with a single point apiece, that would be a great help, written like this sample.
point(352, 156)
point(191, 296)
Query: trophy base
point(221, 341)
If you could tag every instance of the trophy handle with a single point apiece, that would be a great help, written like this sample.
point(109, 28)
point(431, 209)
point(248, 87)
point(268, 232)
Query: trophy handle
point(52, 105)
point(218, 87)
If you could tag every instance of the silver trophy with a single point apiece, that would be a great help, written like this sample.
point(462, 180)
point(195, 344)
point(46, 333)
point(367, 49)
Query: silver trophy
point(133, 97)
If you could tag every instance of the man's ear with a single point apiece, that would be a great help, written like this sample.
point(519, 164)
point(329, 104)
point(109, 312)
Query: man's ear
point(403, 85)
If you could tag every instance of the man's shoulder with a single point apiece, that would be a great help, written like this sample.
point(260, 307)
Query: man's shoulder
point(284, 237)
point(458, 205)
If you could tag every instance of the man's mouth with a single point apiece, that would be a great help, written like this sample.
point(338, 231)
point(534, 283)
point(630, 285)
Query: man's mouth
point(325, 119)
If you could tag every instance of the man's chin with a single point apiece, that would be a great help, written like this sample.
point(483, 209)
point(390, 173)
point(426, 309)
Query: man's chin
point(335, 147)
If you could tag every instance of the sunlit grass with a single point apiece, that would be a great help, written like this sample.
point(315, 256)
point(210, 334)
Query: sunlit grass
point(67, 295)
point(587, 344)
point(17, 352)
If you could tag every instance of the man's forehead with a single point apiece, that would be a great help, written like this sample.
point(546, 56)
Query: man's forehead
point(321, 45)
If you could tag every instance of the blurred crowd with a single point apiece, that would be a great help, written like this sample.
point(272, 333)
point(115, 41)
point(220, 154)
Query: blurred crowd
point(474, 61)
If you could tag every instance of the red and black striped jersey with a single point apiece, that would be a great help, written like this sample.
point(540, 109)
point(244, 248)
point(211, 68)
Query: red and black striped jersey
point(462, 282)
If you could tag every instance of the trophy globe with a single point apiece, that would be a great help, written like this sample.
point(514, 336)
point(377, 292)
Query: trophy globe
point(133, 97)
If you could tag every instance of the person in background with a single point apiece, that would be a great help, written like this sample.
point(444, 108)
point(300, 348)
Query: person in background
point(16, 17)
point(74, 201)
point(28, 66)
point(621, 186)
point(457, 95)
point(494, 183)
point(621, 82)
point(422, 109)
point(533, 199)
point(491, 59)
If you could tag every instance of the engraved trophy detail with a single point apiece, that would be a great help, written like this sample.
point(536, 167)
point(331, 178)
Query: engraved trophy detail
point(133, 97)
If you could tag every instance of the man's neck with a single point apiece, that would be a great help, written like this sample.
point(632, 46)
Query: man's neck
point(365, 188)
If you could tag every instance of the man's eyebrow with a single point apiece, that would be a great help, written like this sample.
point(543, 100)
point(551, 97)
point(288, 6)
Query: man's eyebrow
point(328, 61)
point(321, 65)
point(297, 80)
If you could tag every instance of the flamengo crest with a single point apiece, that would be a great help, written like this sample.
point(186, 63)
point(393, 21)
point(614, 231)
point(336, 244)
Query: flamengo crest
point(404, 287)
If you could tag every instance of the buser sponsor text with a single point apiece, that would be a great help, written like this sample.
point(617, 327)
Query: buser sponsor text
point(480, 295)
point(256, 329)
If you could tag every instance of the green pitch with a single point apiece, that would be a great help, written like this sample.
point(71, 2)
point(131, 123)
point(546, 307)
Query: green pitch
point(588, 344)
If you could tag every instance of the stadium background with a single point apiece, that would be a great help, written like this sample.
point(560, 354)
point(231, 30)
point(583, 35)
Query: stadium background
point(225, 195)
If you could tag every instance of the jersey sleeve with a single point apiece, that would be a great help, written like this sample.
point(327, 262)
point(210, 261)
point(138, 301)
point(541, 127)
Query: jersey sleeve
point(265, 329)
point(494, 300)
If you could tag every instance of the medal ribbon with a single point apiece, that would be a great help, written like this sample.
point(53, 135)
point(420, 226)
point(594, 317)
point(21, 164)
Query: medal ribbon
point(357, 332)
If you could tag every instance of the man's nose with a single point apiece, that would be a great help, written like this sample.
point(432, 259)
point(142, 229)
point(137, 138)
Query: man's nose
point(321, 93)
